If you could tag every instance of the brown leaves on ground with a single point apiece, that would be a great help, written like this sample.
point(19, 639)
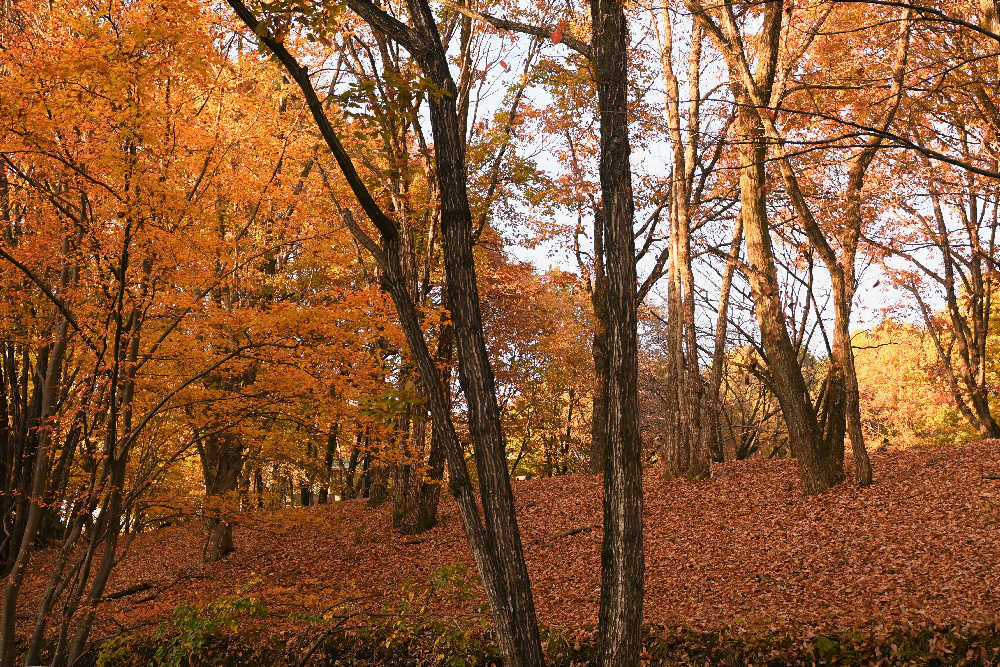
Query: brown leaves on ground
point(920, 546)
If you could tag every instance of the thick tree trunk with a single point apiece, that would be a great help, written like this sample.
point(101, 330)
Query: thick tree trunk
point(430, 494)
point(817, 468)
point(222, 458)
point(377, 475)
point(430, 490)
point(407, 476)
point(622, 565)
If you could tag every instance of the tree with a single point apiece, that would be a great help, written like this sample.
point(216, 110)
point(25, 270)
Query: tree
point(622, 564)
point(495, 544)
point(817, 440)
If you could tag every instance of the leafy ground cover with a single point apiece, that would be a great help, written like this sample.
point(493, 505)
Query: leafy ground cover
point(743, 554)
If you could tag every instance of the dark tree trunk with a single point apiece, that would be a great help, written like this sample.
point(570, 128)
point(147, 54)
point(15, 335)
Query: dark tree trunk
point(519, 639)
point(349, 490)
point(598, 298)
point(37, 463)
point(258, 487)
point(331, 453)
point(495, 542)
point(377, 482)
point(406, 474)
point(430, 493)
point(222, 458)
point(622, 565)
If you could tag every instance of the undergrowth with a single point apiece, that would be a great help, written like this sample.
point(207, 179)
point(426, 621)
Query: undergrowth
point(414, 632)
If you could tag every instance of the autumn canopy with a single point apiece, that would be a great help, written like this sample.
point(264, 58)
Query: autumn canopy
point(299, 300)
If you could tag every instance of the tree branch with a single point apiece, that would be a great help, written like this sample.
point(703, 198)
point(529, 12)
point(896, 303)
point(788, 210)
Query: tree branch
point(301, 75)
point(545, 32)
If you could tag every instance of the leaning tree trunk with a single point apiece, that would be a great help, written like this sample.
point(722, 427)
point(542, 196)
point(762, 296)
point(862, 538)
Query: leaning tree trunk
point(817, 468)
point(495, 542)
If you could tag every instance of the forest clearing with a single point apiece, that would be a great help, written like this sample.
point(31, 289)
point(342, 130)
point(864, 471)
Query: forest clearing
point(453, 332)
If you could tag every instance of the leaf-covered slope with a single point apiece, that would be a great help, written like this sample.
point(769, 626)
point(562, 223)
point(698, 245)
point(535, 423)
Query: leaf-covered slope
point(921, 545)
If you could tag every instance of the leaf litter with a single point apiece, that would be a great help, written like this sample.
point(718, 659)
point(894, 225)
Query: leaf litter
point(746, 547)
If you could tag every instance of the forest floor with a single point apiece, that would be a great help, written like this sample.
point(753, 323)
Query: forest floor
point(920, 547)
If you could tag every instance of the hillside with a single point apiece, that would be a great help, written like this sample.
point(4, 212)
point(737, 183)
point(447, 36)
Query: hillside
point(921, 547)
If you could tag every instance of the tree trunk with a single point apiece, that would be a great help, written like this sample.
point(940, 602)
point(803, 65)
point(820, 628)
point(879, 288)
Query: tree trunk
point(406, 474)
point(843, 358)
point(817, 469)
point(713, 396)
point(222, 458)
point(430, 494)
point(598, 298)
point(475, 372)
point(22, 543)
point(495, 544)
point(622, 566)
point(377, 476)
point(332, 452)
point(349, 490)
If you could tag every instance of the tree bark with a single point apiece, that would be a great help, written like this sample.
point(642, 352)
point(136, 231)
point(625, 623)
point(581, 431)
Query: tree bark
point(23, 542)
point(719, 353)
point(622, 565)
point(599, 413)
point(495, 542)
point(819, 467)
point(222, 458)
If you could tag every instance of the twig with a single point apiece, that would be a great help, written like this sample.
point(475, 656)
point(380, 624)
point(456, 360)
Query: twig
point(131, 590)
point(574, 531)
point(419, 540)
point(316, 644)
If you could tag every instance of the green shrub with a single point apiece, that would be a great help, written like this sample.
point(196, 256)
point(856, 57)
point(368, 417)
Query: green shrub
point(184, 637)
